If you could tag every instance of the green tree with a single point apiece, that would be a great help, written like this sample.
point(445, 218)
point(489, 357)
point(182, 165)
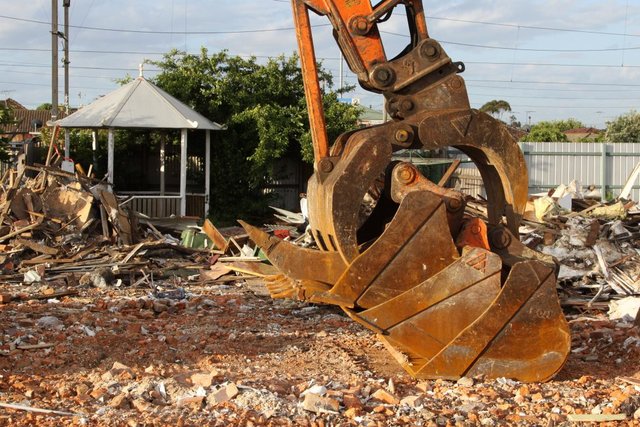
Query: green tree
point(265, 114)
point(551, 131)
point(6, 120)
point(496, 107)
point(625, 128)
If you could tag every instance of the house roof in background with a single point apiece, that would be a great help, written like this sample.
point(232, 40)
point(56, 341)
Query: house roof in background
point(12, 104)
point(584, 130)
point(25, 120)
point(369, 114)
point(138, 104)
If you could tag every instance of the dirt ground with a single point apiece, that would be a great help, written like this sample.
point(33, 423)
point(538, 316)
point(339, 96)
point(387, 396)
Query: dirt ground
point(227, 354)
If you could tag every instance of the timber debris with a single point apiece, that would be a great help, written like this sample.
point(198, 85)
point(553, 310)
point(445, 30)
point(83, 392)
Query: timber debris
point(171, 323)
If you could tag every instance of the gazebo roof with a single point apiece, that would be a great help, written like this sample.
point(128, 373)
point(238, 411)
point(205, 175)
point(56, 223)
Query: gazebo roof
point(138, 104)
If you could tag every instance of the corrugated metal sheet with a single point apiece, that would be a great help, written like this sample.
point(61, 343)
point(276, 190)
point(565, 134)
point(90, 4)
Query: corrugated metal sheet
point(604, 166)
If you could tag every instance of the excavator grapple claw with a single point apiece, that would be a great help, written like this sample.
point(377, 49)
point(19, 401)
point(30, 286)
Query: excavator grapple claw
point(450, 295)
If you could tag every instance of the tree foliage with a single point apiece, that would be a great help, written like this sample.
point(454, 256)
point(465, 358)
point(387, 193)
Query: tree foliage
point(263, 109)
point(6, 119)
point(625, 128)
point(496, 107)
point(551, 131)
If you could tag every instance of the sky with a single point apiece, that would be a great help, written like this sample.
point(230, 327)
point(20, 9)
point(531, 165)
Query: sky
point(549, 59)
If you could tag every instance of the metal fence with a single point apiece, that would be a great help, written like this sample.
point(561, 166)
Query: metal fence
point(602, 165)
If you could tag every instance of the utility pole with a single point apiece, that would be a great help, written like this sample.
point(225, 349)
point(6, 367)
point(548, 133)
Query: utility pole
point(54, 60)
point(67, 143)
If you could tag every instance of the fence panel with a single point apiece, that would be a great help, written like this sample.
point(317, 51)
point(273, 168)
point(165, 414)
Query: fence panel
point(603, 166)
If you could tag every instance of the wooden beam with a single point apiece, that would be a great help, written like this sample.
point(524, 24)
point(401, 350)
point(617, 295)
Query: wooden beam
point(448, 173)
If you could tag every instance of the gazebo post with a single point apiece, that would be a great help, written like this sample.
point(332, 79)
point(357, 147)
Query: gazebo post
point(110, 150)
point(163, 158)
point(183, 172)
point(94, 149)
point(67, 144)
point(207, 172)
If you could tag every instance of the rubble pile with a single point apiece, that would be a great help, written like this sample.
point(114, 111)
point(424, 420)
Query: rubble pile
point(596, 246)
point(106, 320)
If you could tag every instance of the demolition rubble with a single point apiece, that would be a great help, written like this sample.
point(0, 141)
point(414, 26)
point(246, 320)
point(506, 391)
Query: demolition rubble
point(111, 318)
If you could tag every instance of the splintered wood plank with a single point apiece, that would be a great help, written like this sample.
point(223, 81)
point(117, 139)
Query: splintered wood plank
point(118, 218)
point(37, 247)
point(214, 234)
point(214, 273)
point(259, 269)
point(20, 231)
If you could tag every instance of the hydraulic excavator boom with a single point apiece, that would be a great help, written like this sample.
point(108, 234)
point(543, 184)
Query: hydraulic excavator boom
point(448, 294)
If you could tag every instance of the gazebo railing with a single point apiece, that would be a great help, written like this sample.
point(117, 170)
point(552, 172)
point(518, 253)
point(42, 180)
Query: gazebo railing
point(156, 205)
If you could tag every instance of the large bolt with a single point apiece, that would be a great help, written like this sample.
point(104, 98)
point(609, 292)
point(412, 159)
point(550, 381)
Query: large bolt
point(455, 83)
point(429, 51)
point(325, 165)
point(402, 135)
point(406, 105)
point(406, 174)
point(384, 76)
point(454, 204)
point(360, 25)
point(500, 238)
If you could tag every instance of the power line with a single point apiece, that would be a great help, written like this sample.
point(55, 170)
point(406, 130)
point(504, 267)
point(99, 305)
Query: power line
point(48, 74)
point(27, 49)
point(581, 107)
point(528, 64)
point(471, 92)
point(532, 27)
point(523, 49)
point(553, 83)
point(77, 67)
point(125, 30)
point(48, 85)
point(554, 89)
point(538, 64)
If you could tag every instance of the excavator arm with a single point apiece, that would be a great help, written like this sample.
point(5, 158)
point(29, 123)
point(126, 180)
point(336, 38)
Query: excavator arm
point(449, 295)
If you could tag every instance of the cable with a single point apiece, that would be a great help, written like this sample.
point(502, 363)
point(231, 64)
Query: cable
point(471, 92)
point(553, 83)
point(522, 48)
point(582, 107)
point(555, 89)
point(527, 64)
point(48, 85)
point(78, 67)
point(539, 64)
point(123, 30)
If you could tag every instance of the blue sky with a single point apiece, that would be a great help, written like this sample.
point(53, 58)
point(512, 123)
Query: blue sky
point(549, 59)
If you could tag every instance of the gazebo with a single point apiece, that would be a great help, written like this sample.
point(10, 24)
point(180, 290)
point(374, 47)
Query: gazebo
point(141, 104)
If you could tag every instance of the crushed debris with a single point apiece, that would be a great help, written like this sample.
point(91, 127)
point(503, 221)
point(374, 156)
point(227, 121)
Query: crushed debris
point(108, 318)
